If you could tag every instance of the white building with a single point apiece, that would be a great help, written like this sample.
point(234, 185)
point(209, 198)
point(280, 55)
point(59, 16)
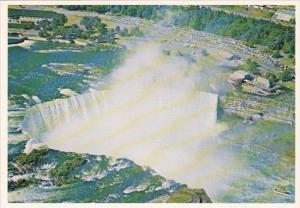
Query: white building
point(35, 20)
point(21, 19)
point(258, 6)
point(238, 77)
point(285, 15)
point(262, 82)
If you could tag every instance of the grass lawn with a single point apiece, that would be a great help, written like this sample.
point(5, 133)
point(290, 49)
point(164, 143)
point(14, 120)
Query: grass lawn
point(73, 19)
point(180, 198)
point(252, 12)
point(260, 13)
point(289, 84)
point(290, 62)
point(234, 8)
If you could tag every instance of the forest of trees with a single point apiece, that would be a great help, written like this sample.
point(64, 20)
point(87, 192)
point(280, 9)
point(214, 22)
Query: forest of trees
point(275, 37)
point(22, 25)
point(154, 12)
point(251, 31)
point(94, 29)
point(16, 13)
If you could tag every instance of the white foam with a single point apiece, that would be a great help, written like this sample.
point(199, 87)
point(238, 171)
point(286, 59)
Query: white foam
point(36, 99)
point(138, 188)
point(67, 92)
point(20, 177)
point(150, 112)
point(91, 176)
point(57, 51)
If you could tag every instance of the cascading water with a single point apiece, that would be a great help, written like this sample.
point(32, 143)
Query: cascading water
point(150, 112)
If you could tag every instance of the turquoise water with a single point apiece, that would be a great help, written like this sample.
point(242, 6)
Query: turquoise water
point(264, 150)
point(99, 179)
point(40, 71)
point(267, 161)
point(28, 76)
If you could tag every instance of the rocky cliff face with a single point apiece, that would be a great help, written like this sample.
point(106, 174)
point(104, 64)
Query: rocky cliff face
point(47, 175)
point(185, 195)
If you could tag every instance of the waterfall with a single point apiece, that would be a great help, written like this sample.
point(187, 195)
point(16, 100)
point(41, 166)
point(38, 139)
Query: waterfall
point(150, 112)
point(41, 118)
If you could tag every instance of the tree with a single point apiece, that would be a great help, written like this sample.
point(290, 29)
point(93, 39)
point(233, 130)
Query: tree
point(250, 30)
point(291, 55)
point(108, 37)
point(74, 7)
point(204, 52)
point(136, 32)
point(59, 20)
point(102, 28)
point(289, 47)
point(292, 21)
point(94, 24)
point(277, 54)
point(284, 75)
point(28, 25)
point(251, 66)
point(132, 10)
point(271, 77)
point(87, 22)
point(73, 32)
point(167, 52)
point(44, 24)
point(43, 33)
point(117, 29)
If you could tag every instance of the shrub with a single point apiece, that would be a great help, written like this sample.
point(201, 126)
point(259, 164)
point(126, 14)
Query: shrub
point(60, 173)
point(32, 158)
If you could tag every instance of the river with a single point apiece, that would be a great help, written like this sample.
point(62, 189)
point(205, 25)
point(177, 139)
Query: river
point(148, 110)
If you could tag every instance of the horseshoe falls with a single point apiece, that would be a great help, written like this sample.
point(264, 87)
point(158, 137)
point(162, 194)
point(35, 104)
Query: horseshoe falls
point(151, 111)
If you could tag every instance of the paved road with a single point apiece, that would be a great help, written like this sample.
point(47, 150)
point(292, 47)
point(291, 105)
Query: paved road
point(266, 62)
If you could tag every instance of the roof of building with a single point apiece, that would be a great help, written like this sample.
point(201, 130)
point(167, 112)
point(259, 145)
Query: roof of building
point(234, 57)
point(286, 12)
point(241, 73)
point(261, 80)
point(285, 15)
point(238, 76)
point(38, 18)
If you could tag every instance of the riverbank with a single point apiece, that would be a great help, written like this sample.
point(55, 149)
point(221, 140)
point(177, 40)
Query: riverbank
point(25, 44)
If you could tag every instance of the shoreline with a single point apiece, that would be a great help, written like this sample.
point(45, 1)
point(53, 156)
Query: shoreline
point(25, 44)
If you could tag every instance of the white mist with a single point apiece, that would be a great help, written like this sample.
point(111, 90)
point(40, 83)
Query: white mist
point(150, 112)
